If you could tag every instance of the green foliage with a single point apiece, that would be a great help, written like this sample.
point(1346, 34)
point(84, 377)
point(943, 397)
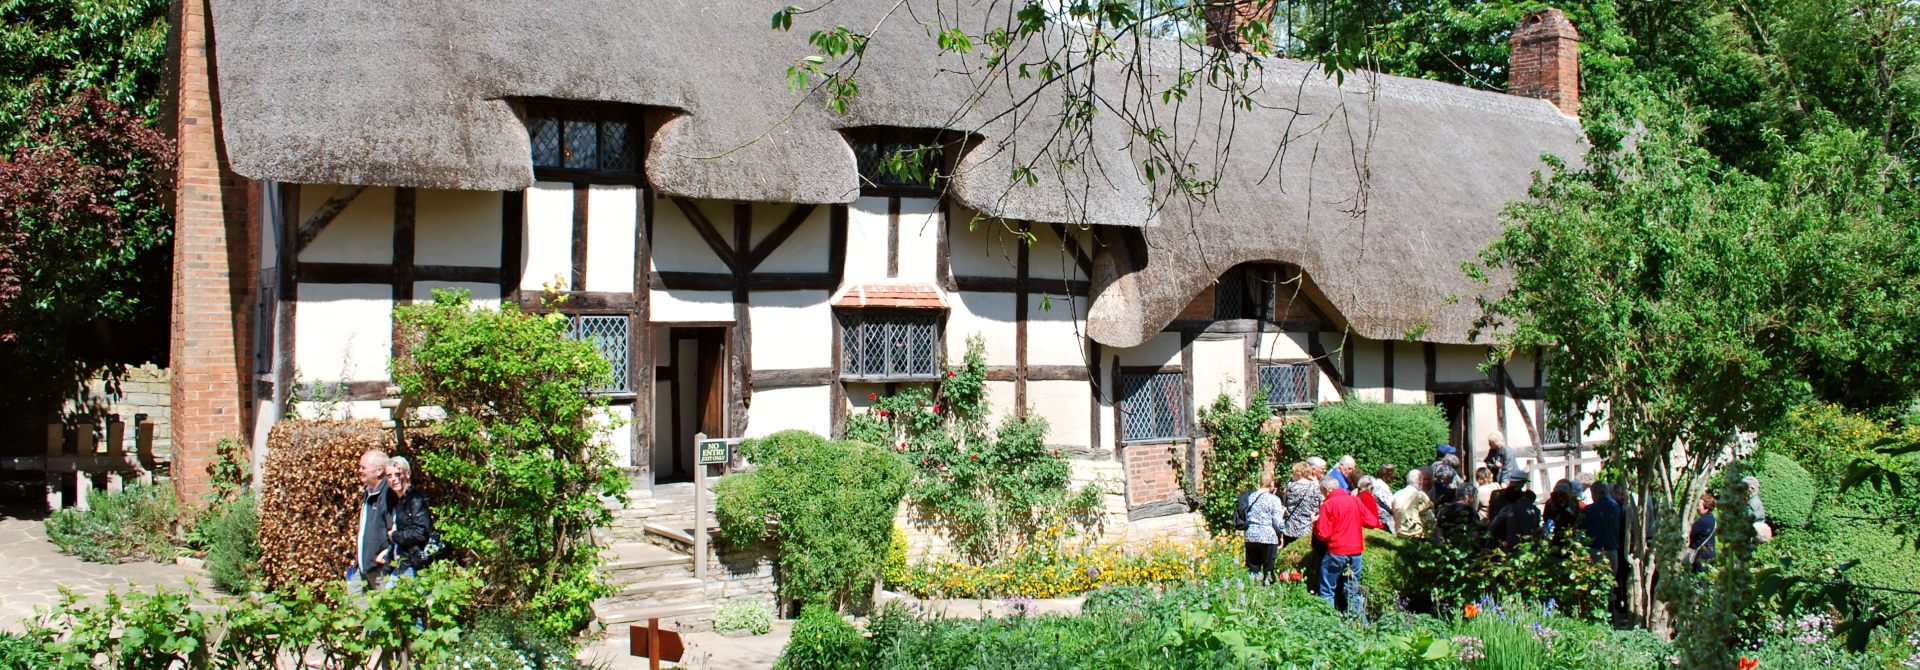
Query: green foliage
point(834, 503)
point(117, 46)
point(505, 643)
point(523, 469)
point(232, 532)
point(1384, 575)
point(1241, 444)
point(894, 571)
point(416, 620)
point(1788, 491)
point(754, 618)
point(1376, 434)
point(21, 652)
point(1463, 570)
point(1057, 570)
point(989, 492)
point(134, 523)
point(823, 641)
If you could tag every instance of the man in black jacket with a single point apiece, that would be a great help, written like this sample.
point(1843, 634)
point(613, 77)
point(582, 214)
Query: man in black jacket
point(376, 518)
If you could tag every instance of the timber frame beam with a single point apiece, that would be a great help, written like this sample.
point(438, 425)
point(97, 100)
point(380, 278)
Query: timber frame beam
point(328, 210)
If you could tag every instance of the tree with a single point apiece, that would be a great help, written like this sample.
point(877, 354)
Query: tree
point(80, 86)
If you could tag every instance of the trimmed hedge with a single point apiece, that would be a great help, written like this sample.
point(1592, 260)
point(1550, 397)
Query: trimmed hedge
point(1377, 433)
point(1786, 489)
point(308, 509)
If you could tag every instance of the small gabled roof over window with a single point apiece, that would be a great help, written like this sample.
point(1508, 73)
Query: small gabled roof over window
point(891, 296)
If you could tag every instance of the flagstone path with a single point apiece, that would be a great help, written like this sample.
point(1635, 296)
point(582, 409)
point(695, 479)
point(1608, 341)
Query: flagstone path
point(32, 571)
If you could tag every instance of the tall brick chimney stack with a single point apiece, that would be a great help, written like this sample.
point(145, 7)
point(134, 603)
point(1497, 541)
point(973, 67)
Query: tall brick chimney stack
point(1226, 17)
point(1545, 62)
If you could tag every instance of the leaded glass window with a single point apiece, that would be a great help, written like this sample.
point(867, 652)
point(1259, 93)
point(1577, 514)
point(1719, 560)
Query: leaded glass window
point(889, 346)
point(584, 138)
point(1288, 385)
point(1151, 406)
point(609, 336)
point(1557, 434)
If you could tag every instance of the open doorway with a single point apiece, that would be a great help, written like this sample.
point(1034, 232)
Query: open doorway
point(1458, 409)
point(692, 397)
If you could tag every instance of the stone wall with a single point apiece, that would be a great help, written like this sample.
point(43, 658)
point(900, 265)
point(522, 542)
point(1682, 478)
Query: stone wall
point(144, 390)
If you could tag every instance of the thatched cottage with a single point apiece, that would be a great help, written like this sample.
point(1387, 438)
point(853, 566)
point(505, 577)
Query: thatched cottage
point(731, 248)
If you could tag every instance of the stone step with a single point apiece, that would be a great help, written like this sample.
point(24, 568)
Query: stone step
point(640, 562)
point(654, 593)
point(679, 616)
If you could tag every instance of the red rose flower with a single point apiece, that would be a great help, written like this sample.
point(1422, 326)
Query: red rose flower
point(873, 396)
point(950, 374)
point(976, 457)
point(1749, 663)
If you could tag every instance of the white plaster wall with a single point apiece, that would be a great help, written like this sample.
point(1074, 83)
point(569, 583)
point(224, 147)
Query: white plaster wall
point(485, 296)
point(457, 228)
point(1162, 349)
point(548, 256)
point(920, 221)
point(613, 215)
point(989, 315)
point(1458, 363)
point(361, 233)
point(1409, 372)
point(1368, 369)
point(806, 250)
point(1334, 344)
point(669, 306)
point(620, 438)
point(857, 400)
point(1049, 258)
point(1486, 422)
point(1219, 366)
point(348, 409)
point(343, 332)
point(867, 241)
point(1520, 368)
point(1064, 404)
point(990, 249)
point(791, 330)
point(804, 408)
point(1056, 336)
point(678, 247)
point(1282, 347)
point(1000, 397)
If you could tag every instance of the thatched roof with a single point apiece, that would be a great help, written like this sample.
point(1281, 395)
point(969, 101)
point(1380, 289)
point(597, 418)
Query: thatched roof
point(415, 94)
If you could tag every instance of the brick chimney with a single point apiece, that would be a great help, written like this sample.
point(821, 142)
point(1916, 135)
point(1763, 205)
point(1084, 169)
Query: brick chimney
point(1225, 17)
point(1545, 62)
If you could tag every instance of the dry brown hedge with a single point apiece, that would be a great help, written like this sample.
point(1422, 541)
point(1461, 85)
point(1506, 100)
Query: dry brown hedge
point(308, 510)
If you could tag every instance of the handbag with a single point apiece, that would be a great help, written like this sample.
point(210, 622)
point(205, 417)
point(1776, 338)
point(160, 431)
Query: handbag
point(1691, 554)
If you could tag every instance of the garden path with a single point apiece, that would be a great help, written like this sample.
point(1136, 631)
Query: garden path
point(32, 571)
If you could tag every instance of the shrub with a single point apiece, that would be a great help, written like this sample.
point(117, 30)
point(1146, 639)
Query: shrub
point(496, 642)
point(1046, 571)
point(21, 652)
point(232, 532)
point(1463, 570)
point(834, 502)
point(1384, 574)
point(1239, 444)
point(989, 492)
point(753, 618)
point(310, 499)
point(1787, 490)
point(131, 524)
point(1376, 433)
point(519, 453)
point(823, 641)
point(894, 572)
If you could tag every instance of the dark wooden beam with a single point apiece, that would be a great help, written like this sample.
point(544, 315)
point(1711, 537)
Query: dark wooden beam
point(837, 243)
point(1526, 417)
point(513, 205)
point(1347, 354)
point(1095, 379)
point(779, 236)
point(1318, 350)
point(1080, 257)
point(893, 237)
point(352, 390)
point(1473, 386)
point(1386, 368)
point(740, 383)
point(1430, 353)
point(579, 262)
point(642, 373)
point(1238, 326)
point(943, 254)
point(707, 232)
point(583, 302)
point(377, 273)
point(404, 201)
point(773, 379)
point(1023, 260)
point(288, 254)
point(328, 210)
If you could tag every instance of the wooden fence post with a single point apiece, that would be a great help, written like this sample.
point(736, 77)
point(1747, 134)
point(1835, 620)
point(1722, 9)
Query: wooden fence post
point(56, 441)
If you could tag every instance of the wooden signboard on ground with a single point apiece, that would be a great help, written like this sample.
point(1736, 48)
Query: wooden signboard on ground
point(654, 644)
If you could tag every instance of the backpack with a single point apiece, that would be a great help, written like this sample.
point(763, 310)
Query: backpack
point(1242, 507)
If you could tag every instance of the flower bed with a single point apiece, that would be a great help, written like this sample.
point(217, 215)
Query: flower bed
point(1043, 571)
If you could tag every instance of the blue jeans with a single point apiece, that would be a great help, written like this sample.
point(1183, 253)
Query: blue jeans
point(1333, 569)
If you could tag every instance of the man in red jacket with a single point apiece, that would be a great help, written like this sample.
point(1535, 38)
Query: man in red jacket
point(1342, 525)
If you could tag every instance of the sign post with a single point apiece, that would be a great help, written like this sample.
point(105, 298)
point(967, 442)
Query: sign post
point(654, 644)
point(707, 452)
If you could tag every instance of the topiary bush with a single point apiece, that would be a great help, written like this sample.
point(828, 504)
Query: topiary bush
point(132, 524)
point(520, 457)
point(1376, 433)
point(827, 505)
point(823, 641)
point(310, 499)
point(232, 533)
point(1787, 490)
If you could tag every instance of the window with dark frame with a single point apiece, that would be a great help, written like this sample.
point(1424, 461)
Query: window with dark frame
point(1151, 406)
point(609, 336)
point(1558, 435)
point(1245, 292)
point(572, 139)
point(902, 161)
point(1289, 385)
point(883, 345)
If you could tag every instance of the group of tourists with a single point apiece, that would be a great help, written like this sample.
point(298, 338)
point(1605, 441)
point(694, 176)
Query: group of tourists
point(1333, 507)
point(395, 536)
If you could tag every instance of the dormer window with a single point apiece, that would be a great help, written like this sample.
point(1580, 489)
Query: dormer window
point(571, 140)
point(903, 161)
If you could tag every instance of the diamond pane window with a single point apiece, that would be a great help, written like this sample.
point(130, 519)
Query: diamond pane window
point(1559, 435)
point(1230, 295)
point(1288, 385)
point(608, 334)
point(889, 345)
point(584, 138)
point(1151, 406)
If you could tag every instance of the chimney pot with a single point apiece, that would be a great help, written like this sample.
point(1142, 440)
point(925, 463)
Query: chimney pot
point(1545, 60)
